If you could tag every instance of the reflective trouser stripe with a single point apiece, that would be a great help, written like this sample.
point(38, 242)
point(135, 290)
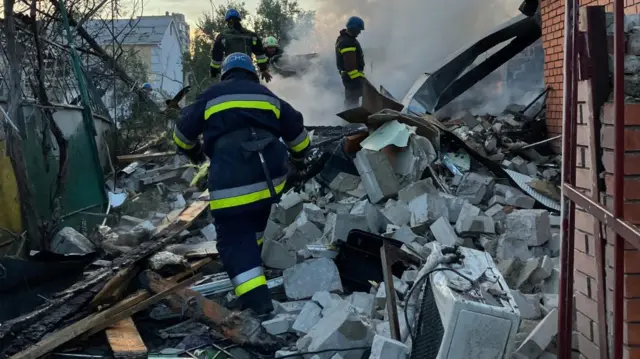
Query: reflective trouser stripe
point(250, 101)
point(261, 59)
point(216, 64)
point(355, 74)
point(238, 196)
point(181, 140)
point(260, 238)
point(347, 49)
point(301, 142)
point(249, 280)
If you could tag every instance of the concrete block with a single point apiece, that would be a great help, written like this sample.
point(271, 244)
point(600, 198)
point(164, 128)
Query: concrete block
point(342, 207)
point(404, 235)
point(345, 223)
point(555, 221)
point(326, 299)
point(552, 284)
point(344, 182)
point(540, 338)
point(401, 287)
point(341, 329)
point(292, 307)
point(276, 255)
point(377, 175)
point(496, 200)
point(396, 213)
point(509, 247)
point(528, 304)
point(409, 276)
point(513, 197)
point(474, 187)
point(273, 230)
point(444, 233)
point(417, 189)
point(455, 205)
point(337, 356)
point(363, 303)
point(301, 233)
point(308, 317)
point(532, 169)
point(543, 271)
point(381, 297)
point(305, 279)
point(384, 329)
point(468, 211)
point(70, 241)
point(497, 213)
point(280, 324)
point(427, 208)
point(288, 209)
point(489, 244)
point(315, 214)
point(477, 224)
point(339, 305)
point(385, 348)
point(520, 164)
point(530, 225)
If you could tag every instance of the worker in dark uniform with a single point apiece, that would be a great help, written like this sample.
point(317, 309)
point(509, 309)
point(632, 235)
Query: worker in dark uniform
point(236, 38)
point(350, 61)
point(272, 49)
point(241, 122)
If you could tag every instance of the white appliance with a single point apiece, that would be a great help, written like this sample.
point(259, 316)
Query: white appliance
point(478, 322)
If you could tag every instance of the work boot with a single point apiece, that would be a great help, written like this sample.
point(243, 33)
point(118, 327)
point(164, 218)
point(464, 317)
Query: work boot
point(258, 300)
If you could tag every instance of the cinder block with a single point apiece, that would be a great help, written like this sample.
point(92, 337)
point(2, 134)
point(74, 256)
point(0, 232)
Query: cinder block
point(377, 175)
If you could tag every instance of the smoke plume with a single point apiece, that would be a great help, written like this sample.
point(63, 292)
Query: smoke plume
point(402, 39)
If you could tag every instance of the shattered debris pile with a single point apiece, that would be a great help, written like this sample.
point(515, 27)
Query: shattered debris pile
point(418, 238)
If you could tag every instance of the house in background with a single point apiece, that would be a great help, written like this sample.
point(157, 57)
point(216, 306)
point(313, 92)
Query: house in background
point(158, 41)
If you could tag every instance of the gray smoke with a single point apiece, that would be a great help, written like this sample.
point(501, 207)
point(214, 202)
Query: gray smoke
point(403, 39)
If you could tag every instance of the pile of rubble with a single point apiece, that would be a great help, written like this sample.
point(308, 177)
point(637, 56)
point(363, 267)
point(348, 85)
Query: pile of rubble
point(467, 220)
point(469, 206)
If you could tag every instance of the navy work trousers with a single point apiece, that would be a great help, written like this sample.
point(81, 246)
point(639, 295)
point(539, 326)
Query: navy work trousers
point(239, 250)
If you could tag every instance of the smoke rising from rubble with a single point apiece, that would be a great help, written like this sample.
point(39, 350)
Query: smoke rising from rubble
point(402, 40)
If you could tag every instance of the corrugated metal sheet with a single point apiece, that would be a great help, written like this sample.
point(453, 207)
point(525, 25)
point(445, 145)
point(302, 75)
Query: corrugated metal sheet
point(522, 181)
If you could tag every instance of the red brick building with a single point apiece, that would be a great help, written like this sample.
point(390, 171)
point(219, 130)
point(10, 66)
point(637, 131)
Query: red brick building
point(585, 273)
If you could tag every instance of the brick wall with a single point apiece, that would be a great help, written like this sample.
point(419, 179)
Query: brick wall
point(585, 263)
point(552, 12)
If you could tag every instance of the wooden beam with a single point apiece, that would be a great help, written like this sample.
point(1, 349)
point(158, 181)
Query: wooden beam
point(97, 322)
point(125, 341)
point(116, 287)
point(145, 157)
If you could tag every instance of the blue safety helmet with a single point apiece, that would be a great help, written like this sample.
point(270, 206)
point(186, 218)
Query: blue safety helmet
point(238, 60)
point(232, 13)
point(355, 23)
point(147, 86)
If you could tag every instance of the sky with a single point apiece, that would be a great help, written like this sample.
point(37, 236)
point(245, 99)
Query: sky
point(195, 9)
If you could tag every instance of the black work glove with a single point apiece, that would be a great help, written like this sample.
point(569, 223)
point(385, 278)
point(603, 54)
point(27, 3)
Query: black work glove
point(195, 155)
point(266, 76)
point(214, 72)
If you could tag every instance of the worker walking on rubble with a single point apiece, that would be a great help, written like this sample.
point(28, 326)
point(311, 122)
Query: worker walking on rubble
point(241, 122)
point(272, 49)
point(235, 38)
point(350, 61)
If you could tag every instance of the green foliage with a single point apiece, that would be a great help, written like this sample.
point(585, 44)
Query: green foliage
point(276, 18)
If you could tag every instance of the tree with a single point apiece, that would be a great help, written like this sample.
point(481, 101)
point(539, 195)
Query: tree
point(277, 18)
point(197, 62)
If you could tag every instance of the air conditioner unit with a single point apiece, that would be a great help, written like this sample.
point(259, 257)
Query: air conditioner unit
point(457, 320)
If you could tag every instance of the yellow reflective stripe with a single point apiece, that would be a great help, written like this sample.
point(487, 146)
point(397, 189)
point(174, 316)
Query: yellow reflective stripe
point(215, 64)
point(260, 241)
point(261, 59)
point(355, 74)
point(302, 145)
point(258, 105)
point(250, 101)
point(182, 144)
point(347, 49)
point(240, 200)
point(250, 285)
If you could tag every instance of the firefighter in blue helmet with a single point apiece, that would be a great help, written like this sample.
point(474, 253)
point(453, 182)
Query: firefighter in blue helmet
point(241, 122)
point(350, 61)
point(235, 38)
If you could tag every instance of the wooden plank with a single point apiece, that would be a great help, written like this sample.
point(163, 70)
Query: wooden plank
point(97, 322)
point(125, 341)
point(145, 157)
point(116, 287)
